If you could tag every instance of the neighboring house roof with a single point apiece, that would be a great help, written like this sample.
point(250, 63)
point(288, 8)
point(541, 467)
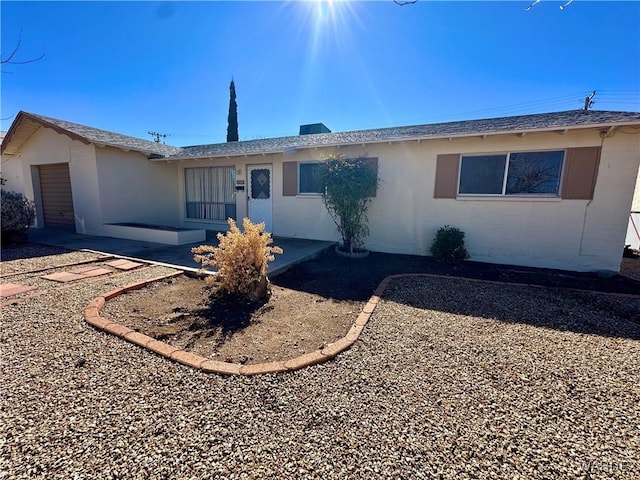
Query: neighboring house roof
point(26, 124)
point(518, 124)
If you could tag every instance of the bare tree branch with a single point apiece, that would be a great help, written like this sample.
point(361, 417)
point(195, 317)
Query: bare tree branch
point(535, 2)
point(10, 59)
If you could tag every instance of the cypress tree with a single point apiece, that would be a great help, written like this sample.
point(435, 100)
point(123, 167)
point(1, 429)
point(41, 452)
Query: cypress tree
point(232, 128)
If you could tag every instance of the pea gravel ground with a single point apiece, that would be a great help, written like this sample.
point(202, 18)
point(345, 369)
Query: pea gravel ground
point(450, 379)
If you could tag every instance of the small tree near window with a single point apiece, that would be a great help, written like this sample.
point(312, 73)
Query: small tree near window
point(347, 188)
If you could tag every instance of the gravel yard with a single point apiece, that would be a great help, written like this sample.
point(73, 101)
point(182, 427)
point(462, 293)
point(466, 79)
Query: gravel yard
point(450, 379)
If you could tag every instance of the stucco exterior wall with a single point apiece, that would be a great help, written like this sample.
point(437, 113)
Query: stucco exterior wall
point(46, 147)
point(568, 234)
point(133, 189)
point(11, 172)
point(582, 235)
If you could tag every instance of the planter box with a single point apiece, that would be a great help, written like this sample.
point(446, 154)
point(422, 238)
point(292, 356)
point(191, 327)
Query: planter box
point(154, 233)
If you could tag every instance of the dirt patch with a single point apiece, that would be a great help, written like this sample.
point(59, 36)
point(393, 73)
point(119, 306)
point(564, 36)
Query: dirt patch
point(181, 312)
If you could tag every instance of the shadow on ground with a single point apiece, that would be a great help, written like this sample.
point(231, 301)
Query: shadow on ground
point(345, 279)
point(231, 313)
point(19, 251)
point(355, 279)
point(572, 311)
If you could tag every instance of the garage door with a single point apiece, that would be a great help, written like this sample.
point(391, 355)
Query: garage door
point(55, 191)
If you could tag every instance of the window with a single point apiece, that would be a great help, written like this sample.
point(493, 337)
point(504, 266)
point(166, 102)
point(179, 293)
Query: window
point(482, 175)
point(309, 178)
point(523, 173)
point(210, 193)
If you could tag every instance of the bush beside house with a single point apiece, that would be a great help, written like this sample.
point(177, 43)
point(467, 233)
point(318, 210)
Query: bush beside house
point(18, 214)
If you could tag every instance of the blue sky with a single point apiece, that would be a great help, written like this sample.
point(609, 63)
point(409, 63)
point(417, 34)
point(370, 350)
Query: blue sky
point(132, 67)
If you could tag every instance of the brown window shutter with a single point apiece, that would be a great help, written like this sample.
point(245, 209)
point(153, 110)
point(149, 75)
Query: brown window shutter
point(447, 167)
point(289, 179)
point(580, 173)
point(373, 163)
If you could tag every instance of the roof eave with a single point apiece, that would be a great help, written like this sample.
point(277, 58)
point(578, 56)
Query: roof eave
point(555, 128)
point(43, 123)
point(148, 153)
point(20, 118)
point(161, 158)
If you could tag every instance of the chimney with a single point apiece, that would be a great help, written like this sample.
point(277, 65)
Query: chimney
point(312, 128)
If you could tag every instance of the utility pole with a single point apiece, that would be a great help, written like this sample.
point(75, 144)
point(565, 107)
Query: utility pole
point(588, 101)
point(157, 136)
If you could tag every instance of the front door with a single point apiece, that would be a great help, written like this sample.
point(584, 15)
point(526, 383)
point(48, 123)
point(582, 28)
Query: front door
point(260, 201)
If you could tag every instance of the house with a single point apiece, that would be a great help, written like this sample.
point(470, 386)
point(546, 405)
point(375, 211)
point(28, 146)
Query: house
point(545, 190)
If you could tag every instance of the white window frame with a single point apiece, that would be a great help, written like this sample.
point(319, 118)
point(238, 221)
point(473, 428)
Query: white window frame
point(307, 194)
point(184, 199)
point(504, 194)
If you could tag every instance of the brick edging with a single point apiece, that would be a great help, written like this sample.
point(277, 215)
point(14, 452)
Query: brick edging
point(92, 316)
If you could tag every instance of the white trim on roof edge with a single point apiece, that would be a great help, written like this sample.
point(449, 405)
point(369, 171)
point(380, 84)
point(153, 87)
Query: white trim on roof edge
point(562, 130)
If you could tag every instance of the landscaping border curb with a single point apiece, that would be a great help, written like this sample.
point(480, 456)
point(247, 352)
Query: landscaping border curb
point(92, 317)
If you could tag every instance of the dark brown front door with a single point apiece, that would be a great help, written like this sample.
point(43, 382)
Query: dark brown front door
point(55, 191)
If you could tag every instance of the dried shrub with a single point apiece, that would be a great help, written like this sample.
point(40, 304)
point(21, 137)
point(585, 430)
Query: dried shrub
point(18, 215)
point(448, 245)
point(241, 259)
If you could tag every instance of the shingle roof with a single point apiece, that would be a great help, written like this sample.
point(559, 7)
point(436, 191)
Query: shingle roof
point(522, 123)
point(88, 135)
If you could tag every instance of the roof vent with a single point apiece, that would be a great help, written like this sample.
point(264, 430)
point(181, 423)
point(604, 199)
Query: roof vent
point(312, 128)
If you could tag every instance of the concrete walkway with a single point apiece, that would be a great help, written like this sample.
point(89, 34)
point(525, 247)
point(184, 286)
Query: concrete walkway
point(295, 250)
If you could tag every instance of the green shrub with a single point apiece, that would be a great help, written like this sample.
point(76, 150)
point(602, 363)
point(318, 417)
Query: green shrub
point(18, 215)
point(449, 245)
point(241, 260)
point(348, 185)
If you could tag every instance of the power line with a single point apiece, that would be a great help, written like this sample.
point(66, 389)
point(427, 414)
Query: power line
point(572, 101)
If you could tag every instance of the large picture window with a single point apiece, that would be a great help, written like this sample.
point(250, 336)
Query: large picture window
point(522, 173)
point(310, 181)
point(209, 193)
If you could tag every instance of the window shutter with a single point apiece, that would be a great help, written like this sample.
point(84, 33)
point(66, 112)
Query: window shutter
point(580, 173)
point(373, 164)
point(289, 179)
point(447, 167)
